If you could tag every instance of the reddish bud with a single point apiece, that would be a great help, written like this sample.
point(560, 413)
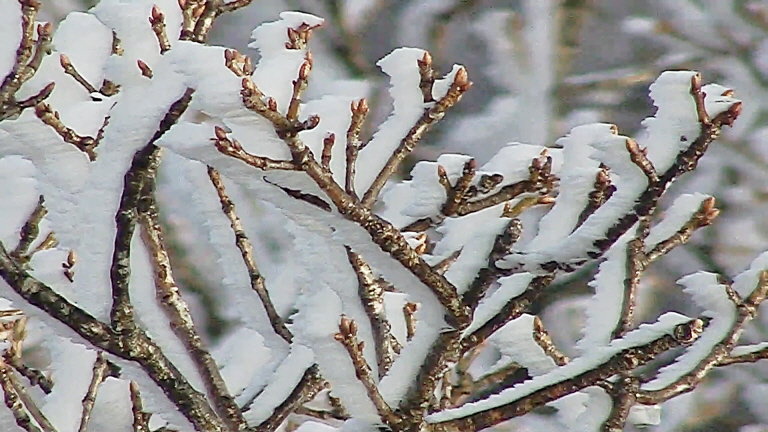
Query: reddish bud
point(304, 70)
point(64, 61)
point(198, 12)
point(426, 60)
point(47, 90)
point(272, 104)
point(220, 133)
point(248, 66)
point(156, 14)
point(144, 68)
point(461, 80)
point(44, 30)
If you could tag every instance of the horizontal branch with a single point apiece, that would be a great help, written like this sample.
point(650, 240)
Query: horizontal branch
point(624, 361)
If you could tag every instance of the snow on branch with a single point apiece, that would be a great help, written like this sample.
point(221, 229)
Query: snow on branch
point(408, 304)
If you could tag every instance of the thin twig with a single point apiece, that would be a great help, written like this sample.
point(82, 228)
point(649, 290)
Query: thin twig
point(347, 336)
point(49, 116)
point(34, 376)
point(746, 310)
point(623, 361)
point(97, 377)
point(372, 296)
point(543, 340)
point(131, 344)
point(12, 385)
point(70, 70)
point(635, 264)
point(140, 418)
point(624, 395)
point(231, 147)
point(13, 401)
point(246, 251)
point(706, 214)
point(177, 311)
point(31, 229)
point(431, 115)
point(157, 21)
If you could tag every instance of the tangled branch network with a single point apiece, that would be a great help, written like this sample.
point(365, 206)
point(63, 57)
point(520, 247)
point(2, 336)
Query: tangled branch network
point(407, 305)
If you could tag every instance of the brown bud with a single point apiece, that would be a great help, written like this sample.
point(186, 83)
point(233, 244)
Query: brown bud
point(247, 66)
point(220, 133)
point(47, 90)
point(64, 61)
point(71, 258)
point(144, 68)
point(441, 171)
point(229, 55)
point(304, 70)
point(329, 139)
point(45, 29)
point(156, 15)
point(425, 60)
point(311, 122)
point(272, 104)
point(461, 80)
point(696, 83)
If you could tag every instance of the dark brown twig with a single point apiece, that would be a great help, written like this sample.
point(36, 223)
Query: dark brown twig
point(232, 147)
point(246, 251)
point(157, 21)
point(372, 296)
point(70, 70)
point(85, 144)
point(13, 401)
point(347, 336)
point(178, 314)
point(140, 418)
point(30, 230)
point(623, 361)
point(97, 377)
point(431, 115)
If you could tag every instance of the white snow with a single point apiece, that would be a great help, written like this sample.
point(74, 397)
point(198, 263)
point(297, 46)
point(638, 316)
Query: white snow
point(577, 178)
point(675, 125)
point(408, 106)
point(643, 335)
point(276, 60)
point(515, 342)
point(677, 215)
point(707, 292)
point(509, 288)
point(604, 308)
point(10, 35)
point(282, 383)
point(71, 370)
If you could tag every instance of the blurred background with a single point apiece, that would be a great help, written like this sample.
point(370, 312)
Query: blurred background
point(540, 67)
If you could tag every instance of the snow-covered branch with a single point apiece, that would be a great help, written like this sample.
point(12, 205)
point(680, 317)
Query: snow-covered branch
point(410, 305)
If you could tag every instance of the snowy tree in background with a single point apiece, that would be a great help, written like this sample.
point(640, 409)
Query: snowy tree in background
point(408, 305)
